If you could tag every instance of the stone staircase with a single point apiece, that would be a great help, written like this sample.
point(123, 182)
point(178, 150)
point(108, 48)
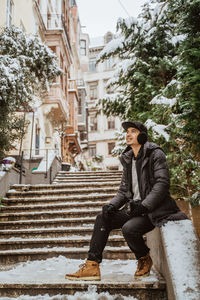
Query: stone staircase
point(41, 222)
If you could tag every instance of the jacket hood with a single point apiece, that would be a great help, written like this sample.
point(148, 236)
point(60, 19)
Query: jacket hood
point(127, 154)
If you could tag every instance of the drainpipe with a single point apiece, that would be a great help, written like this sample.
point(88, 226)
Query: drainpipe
point(31, 147)
point(22, 135)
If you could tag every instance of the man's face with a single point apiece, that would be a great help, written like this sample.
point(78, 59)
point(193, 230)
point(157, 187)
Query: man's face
point(131, 136)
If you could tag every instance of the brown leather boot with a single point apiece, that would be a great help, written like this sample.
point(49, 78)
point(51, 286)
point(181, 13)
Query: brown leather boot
point(144, 266)
point(89, 271)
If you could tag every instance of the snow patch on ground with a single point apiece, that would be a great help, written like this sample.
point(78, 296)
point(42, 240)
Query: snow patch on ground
point(53, 270)
point(2, 173)
point(13, 191)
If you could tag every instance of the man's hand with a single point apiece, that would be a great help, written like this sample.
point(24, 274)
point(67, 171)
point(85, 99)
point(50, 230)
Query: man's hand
point(108, 210)
point(137, 209)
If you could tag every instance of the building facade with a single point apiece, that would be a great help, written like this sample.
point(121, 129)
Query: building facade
point(101, 129)
point(54, 120)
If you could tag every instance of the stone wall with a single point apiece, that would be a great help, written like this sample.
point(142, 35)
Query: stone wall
point(177, 258)
point(9, 178)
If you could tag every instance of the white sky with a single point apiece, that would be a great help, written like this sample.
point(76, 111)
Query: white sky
point(100, 16)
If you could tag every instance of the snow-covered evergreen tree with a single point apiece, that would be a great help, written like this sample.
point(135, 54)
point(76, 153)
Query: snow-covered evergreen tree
point(27, 66)
point(151, 86)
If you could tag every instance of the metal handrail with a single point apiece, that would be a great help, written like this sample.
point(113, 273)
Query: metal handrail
point(46, 156)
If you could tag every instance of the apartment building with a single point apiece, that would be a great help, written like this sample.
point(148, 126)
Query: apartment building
point(101, 129)
point(53, 124)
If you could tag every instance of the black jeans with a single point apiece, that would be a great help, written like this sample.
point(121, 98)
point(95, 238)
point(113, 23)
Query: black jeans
point(133, 229)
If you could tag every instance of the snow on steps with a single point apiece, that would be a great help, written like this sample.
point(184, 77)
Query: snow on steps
point(57, 206)
point(72, 241)
point(48, 277)
point(54, 222)
point(43, 232)
point(47, 223)
point(85, 181)
point(92, 197)
point(41, 215)
point(69, 184)
point(26, 254)
point(88, 174)
point(58, 191)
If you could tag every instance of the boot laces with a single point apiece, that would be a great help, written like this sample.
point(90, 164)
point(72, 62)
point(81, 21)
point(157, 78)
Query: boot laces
point(82, 266)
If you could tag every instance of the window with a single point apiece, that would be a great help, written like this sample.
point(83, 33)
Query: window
point(73, 3)
point(111, 123)
point(92, 150)
point(83, 47)
point(92, 65)
point(9, 17)
point(111, 146)
point(93, 92)
point(83, 135)
point(109, 63)
point(93, 123)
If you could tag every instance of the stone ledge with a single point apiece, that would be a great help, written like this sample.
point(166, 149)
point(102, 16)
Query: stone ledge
point(175, 250)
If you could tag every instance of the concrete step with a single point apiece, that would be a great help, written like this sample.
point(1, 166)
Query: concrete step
point(50, 232)
point(149, 290)
point(66, 242)
point(64, 192)
point(53, 207)
point(21, 255)
point(116, 278)
point(75, 213)
point(68, 184)
point(47, 223)
point(86, 182)
point(57, 199)
point(86, 179)
point(89, 173)
point(42, 277)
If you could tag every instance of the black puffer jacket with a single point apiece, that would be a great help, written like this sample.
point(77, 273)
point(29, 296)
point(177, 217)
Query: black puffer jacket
point(154, 183)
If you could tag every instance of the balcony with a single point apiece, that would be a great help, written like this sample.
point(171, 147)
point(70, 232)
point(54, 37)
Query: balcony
point(72, 85)
point(53, 23)
point(57, 99)
point(72, 140)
